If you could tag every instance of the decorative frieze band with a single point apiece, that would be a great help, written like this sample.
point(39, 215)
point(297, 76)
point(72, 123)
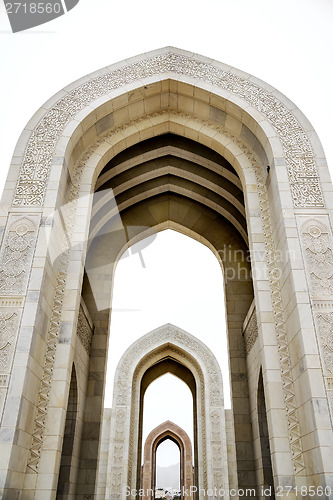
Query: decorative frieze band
point(302, 170)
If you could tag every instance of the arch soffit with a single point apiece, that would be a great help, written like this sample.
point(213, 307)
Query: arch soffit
point(274, 120)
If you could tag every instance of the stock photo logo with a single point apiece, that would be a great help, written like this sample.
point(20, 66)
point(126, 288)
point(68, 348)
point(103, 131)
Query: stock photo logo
point(28, 14)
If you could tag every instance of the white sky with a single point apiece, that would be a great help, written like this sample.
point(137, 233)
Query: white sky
point(287, 43)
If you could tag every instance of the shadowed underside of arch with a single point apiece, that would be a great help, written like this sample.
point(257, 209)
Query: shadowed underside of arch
point(144, 135)
point(172, 181)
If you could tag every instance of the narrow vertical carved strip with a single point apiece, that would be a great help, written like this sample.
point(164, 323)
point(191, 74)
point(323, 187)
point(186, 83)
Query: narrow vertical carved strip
point(303, 175)
point(53, 333)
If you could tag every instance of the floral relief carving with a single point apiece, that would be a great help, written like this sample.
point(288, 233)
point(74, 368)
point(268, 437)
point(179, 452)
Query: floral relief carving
point(251, 332)
point(9, 325)
point(84, 331)
point(271, 259)
point(330, 402)
point(303, 175)
point(120, 421)
point(118, 454)
point(3, 393)
point(16, 255)
point(215, 426)
point(319, 256)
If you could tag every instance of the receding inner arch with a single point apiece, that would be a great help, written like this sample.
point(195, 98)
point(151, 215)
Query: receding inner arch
point(168, 164)
point(173, 366)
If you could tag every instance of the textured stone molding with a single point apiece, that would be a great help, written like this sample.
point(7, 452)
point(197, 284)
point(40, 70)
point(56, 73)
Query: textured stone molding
point(84, 331)
point(9, 325)
point(330, 402)
point(167, 341)
point(3, 393)
point(8, 334)
point(53, 332)
point(303, 175)
point(317, 245)
point(156, 436)
point(16, 254)
point(251, 332)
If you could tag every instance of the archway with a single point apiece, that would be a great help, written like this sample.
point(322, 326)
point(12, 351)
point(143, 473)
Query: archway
point(67, 466)
point(167, 349)
point(167, 430)
point(284, 222)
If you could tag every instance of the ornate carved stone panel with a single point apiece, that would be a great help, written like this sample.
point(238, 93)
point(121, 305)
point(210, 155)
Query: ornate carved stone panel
point(17, 253)
point(146, 352)
point(251, 332)
point(302, 170)
point(278, 309)
point(325, 321)
point(317, 247)
point(156, 436)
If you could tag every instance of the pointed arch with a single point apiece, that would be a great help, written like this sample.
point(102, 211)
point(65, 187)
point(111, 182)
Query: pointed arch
point(167, 430)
